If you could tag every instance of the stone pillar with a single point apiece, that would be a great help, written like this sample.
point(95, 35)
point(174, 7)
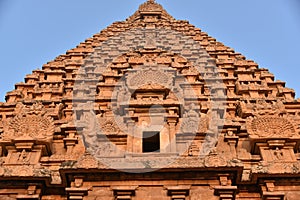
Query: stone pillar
point(232, 141)
point(130, 125)
point(70, 141)
point(172, 134)
point(137, 140)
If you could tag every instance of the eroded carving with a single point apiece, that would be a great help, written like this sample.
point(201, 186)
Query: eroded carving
point(194, 122)
point(112, 125)
point(31, 122)
point(149, 76)
point(260, 107)
point(215, 160)
point(271, 126)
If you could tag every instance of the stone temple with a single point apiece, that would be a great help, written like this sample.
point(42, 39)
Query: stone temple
point(150, 108)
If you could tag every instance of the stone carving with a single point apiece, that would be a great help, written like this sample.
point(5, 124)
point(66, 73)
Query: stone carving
point(214, 160)
point(270, 126)
point(278, 154)
point(87, 161)
point(194, 122)
point(31, 122)
point(260, 107)
point(23, 157)
point(90, 129)
point(95, 129)
point(23, 170)
point(267, 119)
point(107, 149)
point(277, 167)
point(112, 125)
point(55, 177)
point(195, 125)
point(149, 77)
point(179, 49)
point(150, 40)
point(152, 7)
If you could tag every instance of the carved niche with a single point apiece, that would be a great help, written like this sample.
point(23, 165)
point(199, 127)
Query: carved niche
point(273, 134)
point(97, 134)
point(29, 122)
point(193, 122)
point(27, 136)
point(269, 120)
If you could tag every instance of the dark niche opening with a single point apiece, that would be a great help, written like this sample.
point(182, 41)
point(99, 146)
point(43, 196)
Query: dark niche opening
point(151, 142)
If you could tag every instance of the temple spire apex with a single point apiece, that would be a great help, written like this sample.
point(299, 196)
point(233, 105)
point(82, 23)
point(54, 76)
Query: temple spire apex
point(150, 9)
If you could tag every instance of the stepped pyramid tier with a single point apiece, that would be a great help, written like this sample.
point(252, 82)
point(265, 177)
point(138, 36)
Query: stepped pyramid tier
point(150, 108)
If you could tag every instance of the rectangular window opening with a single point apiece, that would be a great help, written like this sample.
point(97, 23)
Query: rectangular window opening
point(151, 142)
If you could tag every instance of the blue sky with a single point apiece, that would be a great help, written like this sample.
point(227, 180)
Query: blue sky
point(33, 32)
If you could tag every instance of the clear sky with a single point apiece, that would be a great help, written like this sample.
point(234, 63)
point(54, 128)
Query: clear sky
point(33, 32)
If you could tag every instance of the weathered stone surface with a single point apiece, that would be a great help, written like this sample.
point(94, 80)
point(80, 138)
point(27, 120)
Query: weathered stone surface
point(150, 108)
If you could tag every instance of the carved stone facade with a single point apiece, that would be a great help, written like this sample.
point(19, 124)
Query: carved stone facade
point(150, 108)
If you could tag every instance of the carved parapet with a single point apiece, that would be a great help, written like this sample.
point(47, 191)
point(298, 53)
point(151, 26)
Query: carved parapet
point(24, 170)
point(253, 89)
point(27, 136)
